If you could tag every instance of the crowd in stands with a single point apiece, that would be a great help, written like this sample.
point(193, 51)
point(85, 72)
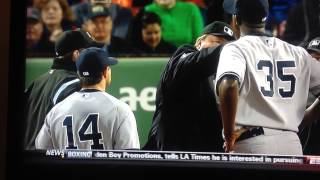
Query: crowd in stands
point(148, 27)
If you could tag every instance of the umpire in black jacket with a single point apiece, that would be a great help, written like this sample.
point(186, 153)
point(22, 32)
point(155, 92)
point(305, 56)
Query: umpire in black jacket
point(55, 85)
point(187, 116)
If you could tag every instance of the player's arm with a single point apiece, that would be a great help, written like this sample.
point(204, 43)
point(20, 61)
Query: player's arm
point(230, 74)
point(311, 114)
point(43, 140)
point(126, 136)
point(193, 63)
point(228, 90)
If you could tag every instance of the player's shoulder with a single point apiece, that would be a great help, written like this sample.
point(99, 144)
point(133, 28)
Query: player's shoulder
point(298, 52)
point(244, 40)
point(42, 78)
point(250, 40)
point(60, 107)
point(290, 46)
point(55, 111)
point(120, 105)
point(234, 45)
point(67, 100)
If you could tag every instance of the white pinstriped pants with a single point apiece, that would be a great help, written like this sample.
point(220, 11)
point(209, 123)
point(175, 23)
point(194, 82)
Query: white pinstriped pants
point(273, 141)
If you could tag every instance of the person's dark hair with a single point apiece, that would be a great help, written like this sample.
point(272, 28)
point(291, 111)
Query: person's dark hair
point(150, 18)
point(92, 80)
point(88, 81)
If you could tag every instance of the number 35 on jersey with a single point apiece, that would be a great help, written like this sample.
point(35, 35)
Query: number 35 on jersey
point(276, 79)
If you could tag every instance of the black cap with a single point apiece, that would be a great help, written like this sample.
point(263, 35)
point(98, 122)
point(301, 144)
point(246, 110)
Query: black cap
point(74, 40)
point(97, 10)
point(314, 45)
point(33, 15)
point(252, 11)
point(92, 62)
point(218, 28)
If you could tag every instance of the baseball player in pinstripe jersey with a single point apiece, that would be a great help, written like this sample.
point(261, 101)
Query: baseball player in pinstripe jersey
point(262, 84)
point(91, 118)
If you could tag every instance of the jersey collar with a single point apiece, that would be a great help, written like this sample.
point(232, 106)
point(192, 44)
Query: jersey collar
point(89, 90)
point(257, 33)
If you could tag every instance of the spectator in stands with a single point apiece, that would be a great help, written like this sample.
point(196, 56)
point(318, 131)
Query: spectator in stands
point(277, 18)
point(73, 2)
point(57, 17)
point(181, 21)
point(227, 14)
point(121, 16)
point(99, 24)
point(123, 3)
point(33, 3)
point(202, 5)
point(151, 41)
point(138, 5)
point(303, 23)
point(228, 10)
point(35, 45)
point(199, 3)
point(215, 11)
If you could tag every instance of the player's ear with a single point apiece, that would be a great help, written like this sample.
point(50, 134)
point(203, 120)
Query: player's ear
point(85, 26)
point(106, 72)
point(235, 26)
point(199, 42)
point(75, 55)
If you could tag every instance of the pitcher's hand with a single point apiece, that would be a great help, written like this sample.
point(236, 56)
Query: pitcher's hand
point(230, 139)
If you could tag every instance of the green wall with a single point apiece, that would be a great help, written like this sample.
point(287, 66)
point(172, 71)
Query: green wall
point(134, 81)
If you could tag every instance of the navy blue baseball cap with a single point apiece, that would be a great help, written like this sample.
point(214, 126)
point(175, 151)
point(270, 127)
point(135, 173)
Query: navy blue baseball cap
point(97, 10)
point(252, 11)
point(92, 61)
point(229, 6)
point(314, 45)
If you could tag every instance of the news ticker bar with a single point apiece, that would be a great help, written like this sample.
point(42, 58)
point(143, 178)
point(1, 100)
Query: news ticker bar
point(181, 156)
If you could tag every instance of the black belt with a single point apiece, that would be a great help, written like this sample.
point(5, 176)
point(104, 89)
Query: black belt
point(252, 132)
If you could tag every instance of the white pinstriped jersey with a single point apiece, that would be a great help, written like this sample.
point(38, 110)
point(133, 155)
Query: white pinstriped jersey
point(89, 120)
point(274, 77)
